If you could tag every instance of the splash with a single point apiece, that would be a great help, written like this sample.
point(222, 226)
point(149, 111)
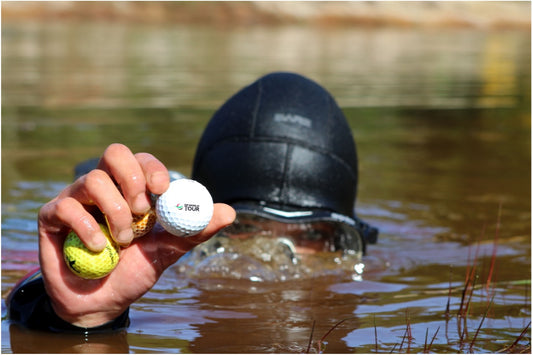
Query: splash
point(263, 258)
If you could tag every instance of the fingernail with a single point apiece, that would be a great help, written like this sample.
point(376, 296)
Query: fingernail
point(141, 204)
point(158, 178)
point(98, 242)
point(125, 237)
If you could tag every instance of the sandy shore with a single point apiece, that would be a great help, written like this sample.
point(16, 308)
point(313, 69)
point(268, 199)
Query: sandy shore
point(475, 14)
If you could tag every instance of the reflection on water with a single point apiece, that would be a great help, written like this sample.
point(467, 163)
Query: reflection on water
point(442, 124)
point(118, 65)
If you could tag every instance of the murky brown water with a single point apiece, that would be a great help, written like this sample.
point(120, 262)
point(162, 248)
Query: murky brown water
point(442, 123)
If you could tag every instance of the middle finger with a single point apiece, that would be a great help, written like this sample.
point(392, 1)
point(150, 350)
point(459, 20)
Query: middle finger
point(120, 163)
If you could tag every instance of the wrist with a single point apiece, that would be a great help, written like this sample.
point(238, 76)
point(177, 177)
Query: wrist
point(87, 325)
point(90, 320)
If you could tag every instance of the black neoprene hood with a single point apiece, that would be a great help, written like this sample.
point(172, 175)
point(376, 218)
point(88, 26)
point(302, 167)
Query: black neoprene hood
point(282, 141)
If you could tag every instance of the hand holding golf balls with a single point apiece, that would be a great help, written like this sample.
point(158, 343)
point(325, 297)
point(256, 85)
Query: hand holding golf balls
point(185, 209)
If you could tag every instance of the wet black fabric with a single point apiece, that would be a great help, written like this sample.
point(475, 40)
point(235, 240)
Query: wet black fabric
point(29, 305)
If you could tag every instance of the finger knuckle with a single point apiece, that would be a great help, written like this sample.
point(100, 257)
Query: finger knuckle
point(116, 148)
point(65, 206)
point(143, 156)
point(96, 179)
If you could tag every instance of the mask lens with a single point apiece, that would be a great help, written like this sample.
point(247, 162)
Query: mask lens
point(308, 237)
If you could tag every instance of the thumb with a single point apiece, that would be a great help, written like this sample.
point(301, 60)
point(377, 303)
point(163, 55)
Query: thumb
point(165, 249)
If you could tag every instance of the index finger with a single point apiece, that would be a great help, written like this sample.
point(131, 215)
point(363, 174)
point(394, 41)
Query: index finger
point(119, 162)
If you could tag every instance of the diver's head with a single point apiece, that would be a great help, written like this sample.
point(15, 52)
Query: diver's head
point(281, 148)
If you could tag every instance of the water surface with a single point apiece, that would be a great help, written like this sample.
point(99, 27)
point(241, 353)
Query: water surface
point(442, 124)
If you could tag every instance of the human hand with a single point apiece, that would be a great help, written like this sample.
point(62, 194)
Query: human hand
point(90, 303)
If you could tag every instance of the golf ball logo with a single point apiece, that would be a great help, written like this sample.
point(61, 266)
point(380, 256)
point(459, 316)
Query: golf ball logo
point(188, 207)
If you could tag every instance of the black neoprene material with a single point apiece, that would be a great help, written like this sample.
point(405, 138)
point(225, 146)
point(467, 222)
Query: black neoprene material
point(29, 305)
point(280, 115)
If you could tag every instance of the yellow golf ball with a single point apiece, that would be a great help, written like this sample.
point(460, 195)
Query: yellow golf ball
point(87, 264)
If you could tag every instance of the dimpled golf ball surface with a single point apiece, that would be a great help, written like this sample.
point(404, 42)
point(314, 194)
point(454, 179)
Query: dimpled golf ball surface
point(88, 264)
point(185, 208)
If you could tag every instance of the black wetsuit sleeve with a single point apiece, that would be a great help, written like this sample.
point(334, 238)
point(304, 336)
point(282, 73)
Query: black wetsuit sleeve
point(29, 305)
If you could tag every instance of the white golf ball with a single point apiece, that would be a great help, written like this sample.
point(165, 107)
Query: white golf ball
point(185, 208)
